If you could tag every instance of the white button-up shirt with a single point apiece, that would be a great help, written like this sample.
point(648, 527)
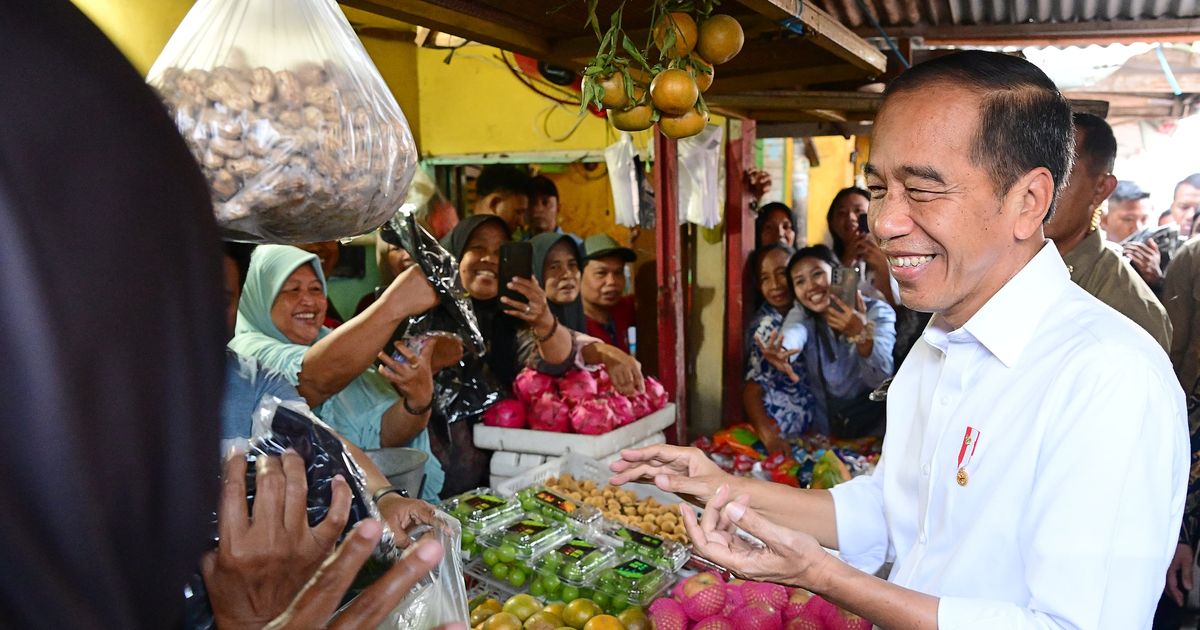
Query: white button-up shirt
point(1075, 475)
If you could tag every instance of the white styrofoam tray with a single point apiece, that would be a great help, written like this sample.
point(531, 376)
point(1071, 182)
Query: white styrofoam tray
point(551, 443)
point(508, 464)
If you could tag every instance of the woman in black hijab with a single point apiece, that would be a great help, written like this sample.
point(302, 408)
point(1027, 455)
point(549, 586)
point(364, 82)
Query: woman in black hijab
point(557, 264)
point(465, 390)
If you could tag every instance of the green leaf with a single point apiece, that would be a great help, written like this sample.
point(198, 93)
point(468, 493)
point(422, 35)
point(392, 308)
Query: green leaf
point(633, 51)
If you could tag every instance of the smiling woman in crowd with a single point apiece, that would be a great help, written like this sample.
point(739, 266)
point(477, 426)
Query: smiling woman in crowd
point(846, 350)
point(778, 407)
point(279, 323)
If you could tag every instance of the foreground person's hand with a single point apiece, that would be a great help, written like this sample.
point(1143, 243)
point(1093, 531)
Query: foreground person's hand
point(320, 598)
point(264, 559)
point(786, 556)
point(684, 471)
point(1179, 573)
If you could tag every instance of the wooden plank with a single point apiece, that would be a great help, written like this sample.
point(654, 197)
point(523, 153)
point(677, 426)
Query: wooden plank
point(791, 78)
point(739, 282)
point(1049, 33)
point(793, 100)
point(668, 271)
point(825, 31)
point(478, 25)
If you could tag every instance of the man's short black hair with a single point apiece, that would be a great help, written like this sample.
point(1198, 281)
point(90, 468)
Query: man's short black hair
point(542, 186)
point(1192, 180)
point(240, 253)
point(503, 178)
point(1098, 149)
point(1024, 121)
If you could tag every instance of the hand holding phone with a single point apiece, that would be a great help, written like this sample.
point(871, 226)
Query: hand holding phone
point(844, 285)
point(516, 261)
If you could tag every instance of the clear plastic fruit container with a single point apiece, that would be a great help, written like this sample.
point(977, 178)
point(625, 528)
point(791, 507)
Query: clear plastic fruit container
point(556, 507)
point(634, 580)
point(509, 553)
point(664, 554)
point(479, 510)
point(577, 561)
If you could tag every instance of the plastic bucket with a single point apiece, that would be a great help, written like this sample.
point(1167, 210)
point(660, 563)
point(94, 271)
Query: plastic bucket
point(403, 467)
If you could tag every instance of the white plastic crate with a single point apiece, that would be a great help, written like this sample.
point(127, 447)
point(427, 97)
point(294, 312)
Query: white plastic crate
point(580, 467)
point(551, 443)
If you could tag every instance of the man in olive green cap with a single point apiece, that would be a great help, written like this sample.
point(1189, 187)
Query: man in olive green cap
point(609, 312)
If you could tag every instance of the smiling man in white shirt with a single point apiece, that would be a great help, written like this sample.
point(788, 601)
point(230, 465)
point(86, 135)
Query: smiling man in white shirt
point(1036, 457)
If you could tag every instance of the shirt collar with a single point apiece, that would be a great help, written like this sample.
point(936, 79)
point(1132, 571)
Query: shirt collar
point(1085, 255)
point(1007, 322)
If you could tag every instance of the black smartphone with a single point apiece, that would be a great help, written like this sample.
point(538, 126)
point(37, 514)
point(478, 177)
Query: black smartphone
point(516, 261)
point(863, 228)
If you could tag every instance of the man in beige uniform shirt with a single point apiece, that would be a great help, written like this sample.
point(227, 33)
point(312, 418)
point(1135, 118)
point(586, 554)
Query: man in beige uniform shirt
point(1096, 267)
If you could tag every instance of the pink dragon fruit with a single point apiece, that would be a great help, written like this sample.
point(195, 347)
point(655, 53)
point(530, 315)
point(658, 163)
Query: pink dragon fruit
point(734, 597)
point(757, 616)
point(548, 413)
point(716, 622)
point(773, 595)
point(842, 619)
point(531, 384)
point(798, 603)
point(603, 381)
point(641, 405)
point(667, 614)
point(656, 393)
point(592, 417)
point(703, 595)
point(577, 386)
point(507, 413)
point(805, 622)
point(622, 409)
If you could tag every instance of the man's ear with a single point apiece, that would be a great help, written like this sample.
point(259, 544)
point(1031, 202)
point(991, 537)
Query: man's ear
point(492, 202)
point(1029, 200)
point(1104, 188)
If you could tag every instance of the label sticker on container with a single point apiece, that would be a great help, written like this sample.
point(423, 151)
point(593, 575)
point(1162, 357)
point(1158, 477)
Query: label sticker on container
point(577, 549)
point(528, 528)
point(483, 502)
point(551, 499)
point(634, 569)
point(645, 540)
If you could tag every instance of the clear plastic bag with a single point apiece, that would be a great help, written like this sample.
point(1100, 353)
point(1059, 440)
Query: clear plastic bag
point(441, 597)
point(278, 426)
point(297, 133)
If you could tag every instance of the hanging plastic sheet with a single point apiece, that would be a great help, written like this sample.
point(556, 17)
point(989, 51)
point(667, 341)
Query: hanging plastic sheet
point(622, 174)
point(699, 175)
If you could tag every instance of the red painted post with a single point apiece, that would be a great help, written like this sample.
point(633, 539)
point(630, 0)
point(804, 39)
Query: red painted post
point(671, 355)
point(739, 244)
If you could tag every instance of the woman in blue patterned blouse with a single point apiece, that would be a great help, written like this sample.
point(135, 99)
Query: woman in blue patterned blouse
point(778, 407)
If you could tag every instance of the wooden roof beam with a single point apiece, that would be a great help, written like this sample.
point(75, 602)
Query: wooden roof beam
point(478, 25)
point(792, 78)
point(1050, 33)
point(788, 101)
point(824, 31)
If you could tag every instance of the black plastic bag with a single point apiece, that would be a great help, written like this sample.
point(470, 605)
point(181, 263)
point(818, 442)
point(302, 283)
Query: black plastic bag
point(277, 427)
point(453, 313)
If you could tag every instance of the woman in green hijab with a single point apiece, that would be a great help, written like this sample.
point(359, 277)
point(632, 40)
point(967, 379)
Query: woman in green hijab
point(280, 323)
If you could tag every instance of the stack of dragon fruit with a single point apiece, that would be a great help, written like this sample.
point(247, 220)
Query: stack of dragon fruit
point(706, 602)
point(577, 402)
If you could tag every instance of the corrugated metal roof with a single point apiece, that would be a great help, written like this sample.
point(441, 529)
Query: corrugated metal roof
point(904, 13)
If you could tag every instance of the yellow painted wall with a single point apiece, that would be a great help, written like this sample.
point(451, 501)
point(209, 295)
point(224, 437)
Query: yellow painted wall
point(397, 64)
point(475, 105)
point(139, 28)
point(835, 173)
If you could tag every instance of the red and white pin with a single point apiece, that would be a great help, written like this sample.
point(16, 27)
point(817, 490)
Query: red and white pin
point(969, 443)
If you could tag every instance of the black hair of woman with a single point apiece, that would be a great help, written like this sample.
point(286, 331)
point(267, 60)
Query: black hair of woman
point(765, 213)
point(839, 246)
